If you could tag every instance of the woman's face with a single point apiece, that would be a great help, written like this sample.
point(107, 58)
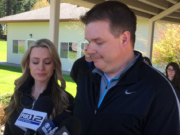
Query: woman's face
point(41, 64)
point(146, 61)
point(171, 72)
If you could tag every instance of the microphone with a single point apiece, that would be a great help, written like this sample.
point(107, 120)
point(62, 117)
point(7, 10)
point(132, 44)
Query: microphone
point(50, 124)
point(32, 119)
point(70, 126)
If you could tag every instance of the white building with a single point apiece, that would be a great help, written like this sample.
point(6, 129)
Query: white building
point(25, 28)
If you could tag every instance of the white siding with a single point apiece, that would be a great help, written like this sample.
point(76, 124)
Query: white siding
point(67, 33)
point(22, 31)
point(141, 32)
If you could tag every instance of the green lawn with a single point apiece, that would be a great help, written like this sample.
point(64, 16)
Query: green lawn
point(3, 50)
point(9, 74)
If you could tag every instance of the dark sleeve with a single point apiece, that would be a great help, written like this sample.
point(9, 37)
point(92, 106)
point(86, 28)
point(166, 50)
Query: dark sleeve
point(71, 102)
point(74, 72)
point(7, 129)
point(163, 116)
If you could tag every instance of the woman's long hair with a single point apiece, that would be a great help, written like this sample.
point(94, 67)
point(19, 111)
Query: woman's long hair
point(176, 79)
point(59, 96)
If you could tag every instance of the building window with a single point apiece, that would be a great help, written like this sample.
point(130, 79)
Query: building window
point(64, 50)
point(15, 46)
point(29, 42)
point(82, 48)
point(68, 50)
point(19, 46)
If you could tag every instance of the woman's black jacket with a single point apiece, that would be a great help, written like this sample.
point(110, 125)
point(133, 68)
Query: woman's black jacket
point(26, 101)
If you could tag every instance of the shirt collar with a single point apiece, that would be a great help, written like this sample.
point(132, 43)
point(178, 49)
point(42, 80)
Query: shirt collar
point(25, 88)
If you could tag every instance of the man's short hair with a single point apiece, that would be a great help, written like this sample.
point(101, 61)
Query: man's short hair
point(119, 16)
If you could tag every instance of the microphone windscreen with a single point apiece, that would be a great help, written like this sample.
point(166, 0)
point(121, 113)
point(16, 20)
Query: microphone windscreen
point(61, 117)
point(73, 125)
point(44, 104)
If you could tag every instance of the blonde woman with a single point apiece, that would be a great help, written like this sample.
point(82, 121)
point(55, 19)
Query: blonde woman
point(41, 67)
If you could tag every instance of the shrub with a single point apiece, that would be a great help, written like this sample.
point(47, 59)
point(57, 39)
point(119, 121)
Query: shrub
point(2, 122)
point(4, 101)
point(5, 98)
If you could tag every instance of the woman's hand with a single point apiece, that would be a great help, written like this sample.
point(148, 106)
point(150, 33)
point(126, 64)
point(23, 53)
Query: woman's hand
point(87, 56)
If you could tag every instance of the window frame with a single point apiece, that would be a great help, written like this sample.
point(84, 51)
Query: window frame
point(27, 42)
point(59, 50)
point(81, 48)
point(18, 46)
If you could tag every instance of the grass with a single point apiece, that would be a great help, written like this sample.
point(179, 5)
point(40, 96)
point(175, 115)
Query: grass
point(21, 49)
point(72, 55)
point(9, 74)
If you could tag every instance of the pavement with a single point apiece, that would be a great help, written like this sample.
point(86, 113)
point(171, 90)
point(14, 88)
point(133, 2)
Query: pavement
point(18, 65)
point(9, 64)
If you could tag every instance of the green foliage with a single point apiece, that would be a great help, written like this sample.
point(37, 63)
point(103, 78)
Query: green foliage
point(2, 14)
point(5, 98)
point(166, 46)
point(28, 4)
point(11, 7)
point(1, 31)
point(40, 4)
point(2, 8)
point(18, 6)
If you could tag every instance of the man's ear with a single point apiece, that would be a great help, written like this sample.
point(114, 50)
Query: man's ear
point(126, 38)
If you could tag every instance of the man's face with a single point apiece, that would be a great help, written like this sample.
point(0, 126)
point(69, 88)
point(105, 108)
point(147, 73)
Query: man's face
point(106, 50)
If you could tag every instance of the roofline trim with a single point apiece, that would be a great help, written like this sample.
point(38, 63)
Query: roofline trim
point(36, 20)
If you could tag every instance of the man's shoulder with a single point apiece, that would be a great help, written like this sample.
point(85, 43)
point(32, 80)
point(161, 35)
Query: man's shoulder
point(79, 62)
point(81, 59)
point(154, 77)
point(90, 77)
point(152, 74)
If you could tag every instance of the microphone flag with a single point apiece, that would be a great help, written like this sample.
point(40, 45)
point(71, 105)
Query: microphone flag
point(31, 119)
point(62, 131)
point(46, 127)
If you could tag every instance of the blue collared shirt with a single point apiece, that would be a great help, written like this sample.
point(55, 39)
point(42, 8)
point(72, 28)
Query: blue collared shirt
point(107, 83)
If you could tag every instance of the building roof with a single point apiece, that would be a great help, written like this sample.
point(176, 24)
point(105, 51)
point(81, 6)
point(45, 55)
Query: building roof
point(67, 12)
